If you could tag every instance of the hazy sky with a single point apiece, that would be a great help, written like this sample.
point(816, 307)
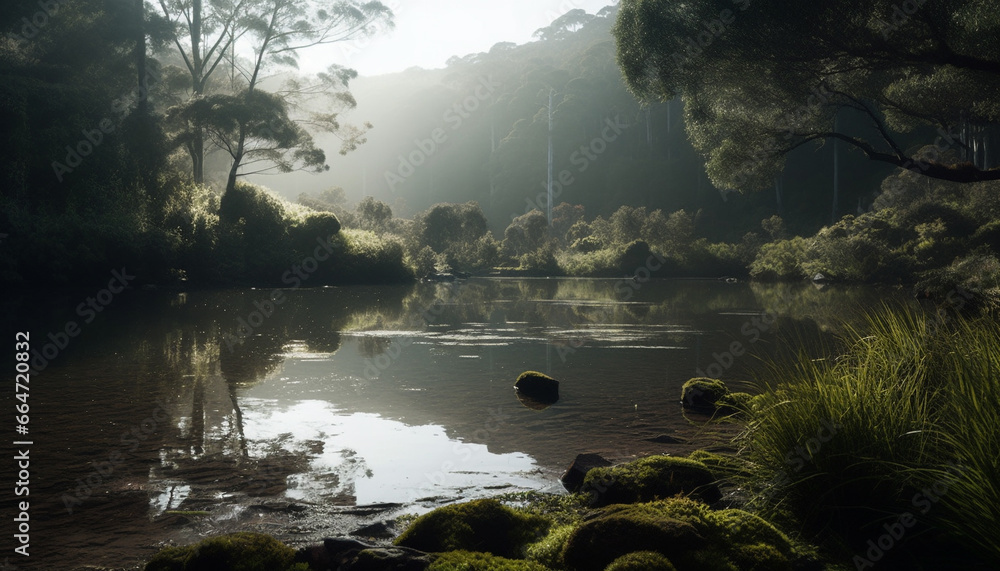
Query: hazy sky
point(428, 32)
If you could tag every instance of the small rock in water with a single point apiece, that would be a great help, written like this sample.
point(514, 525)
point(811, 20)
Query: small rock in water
point(537, 386)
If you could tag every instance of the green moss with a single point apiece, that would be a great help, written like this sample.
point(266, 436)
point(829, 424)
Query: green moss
point(560, 509)
point(735, 403)
point(703, 394)
point(641, 561)
point(651, 478)
point(169, 559)
point(598, 542)
point(235, 552)
point(548, 551)
point(744, 528)
point(471, 561)
point(481, 525)
point(688, 533)
point(760, 557)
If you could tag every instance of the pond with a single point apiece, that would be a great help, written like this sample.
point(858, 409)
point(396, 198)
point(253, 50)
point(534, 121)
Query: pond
point(307, 413)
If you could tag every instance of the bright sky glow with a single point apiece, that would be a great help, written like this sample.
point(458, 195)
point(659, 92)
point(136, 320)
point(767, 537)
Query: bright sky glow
point(429, 32)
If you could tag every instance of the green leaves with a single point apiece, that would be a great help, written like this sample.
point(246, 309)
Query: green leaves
point(760, 79)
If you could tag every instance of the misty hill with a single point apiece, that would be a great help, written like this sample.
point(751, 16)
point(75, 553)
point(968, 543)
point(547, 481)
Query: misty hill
point(478, 130)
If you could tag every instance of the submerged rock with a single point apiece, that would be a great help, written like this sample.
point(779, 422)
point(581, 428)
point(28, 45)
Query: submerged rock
point(530, 403)
point(572, 478)
point(537, 386)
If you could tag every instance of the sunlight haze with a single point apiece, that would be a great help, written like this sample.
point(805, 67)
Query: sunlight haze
point(428, 32)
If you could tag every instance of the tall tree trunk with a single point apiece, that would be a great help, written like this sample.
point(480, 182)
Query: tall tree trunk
point(140, 60)
point(836, 173)
point(237, 161)
point(198, 88)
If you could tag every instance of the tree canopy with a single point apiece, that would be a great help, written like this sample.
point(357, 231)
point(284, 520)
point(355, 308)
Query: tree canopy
point(911, 84)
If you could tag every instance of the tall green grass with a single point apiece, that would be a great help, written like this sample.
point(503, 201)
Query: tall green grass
point(913, 396)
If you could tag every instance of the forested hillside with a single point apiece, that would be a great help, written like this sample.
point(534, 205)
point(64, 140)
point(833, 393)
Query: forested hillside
point(492, 112)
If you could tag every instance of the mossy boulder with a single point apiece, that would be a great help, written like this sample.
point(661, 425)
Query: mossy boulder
point(234, 552)
point(620, 530)
point(537, 386)
point(548, 551)
point(481, 525)
point(703, 394)
point(474, 561)
point(641, 561)
point(650, 478)
point(688, 533)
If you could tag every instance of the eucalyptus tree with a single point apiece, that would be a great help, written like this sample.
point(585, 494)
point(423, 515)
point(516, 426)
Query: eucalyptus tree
point(204, 36)
point(762, 78)
point(254, 37)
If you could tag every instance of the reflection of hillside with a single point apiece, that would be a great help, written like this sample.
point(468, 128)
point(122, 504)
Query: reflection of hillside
point(830, 306)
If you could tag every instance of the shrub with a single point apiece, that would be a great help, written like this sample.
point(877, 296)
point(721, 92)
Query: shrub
point(780, 261)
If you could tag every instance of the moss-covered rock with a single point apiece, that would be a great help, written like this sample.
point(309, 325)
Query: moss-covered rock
point(650, 478)
point(760, 557)
point(481, 525)
point(473, 561)
point(620, 530)
point(641, 561)
point(234, 552)
point(688, 533)
point(703, 394)
point(548, 551)
point(744, 528)
point(537, 386)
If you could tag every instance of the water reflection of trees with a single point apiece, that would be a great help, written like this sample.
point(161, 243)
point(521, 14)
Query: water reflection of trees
point(185, 352)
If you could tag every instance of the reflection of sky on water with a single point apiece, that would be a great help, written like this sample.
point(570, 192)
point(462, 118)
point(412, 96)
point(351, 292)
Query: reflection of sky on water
point(376, 460)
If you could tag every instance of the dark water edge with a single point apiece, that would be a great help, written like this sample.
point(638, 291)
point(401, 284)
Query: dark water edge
point(347, 406)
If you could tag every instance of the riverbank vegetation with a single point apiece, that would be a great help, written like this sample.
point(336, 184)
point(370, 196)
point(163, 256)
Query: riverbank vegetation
point(125, 154)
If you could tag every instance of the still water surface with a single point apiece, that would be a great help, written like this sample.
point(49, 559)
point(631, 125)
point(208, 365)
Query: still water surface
point(341, 407)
